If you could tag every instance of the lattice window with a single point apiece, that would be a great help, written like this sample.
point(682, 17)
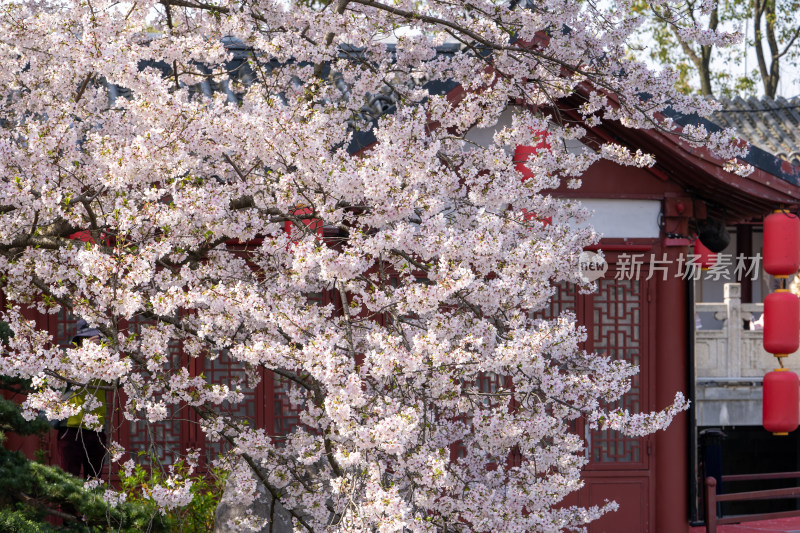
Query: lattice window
point(485, 383)
point(161, 439)
point(491, 383)
point(64, 325)
point(564, 299)
point(616, 331)
point(223, 370)
point(286, 415)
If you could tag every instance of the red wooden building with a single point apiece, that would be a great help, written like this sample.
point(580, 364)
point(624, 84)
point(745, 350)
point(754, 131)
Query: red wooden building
point(644, 308)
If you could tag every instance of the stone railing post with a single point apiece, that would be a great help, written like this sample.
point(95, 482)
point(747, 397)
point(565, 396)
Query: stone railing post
point(733, 304)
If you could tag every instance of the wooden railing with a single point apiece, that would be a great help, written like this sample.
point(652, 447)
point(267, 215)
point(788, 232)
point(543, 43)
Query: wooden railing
point(713, 519)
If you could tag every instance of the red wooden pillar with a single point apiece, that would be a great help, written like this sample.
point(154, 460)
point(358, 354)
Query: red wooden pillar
point(671, 361)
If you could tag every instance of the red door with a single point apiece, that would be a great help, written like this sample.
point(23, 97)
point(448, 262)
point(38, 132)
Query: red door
point(620, 469)
point(619, 319)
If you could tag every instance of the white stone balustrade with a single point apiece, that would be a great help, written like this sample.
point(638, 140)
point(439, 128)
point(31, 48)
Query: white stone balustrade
point(730, 364)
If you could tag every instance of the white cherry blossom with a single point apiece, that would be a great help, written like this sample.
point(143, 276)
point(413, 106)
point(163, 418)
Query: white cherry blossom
point(207, 170)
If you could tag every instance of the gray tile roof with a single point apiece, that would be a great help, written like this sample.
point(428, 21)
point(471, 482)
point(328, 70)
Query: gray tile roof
point(238, 71)
point(772, 125)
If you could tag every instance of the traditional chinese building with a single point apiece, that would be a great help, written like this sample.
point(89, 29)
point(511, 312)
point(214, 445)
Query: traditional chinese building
point(645, 312)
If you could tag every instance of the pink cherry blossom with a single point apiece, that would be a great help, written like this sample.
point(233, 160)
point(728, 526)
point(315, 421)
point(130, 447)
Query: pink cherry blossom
point(227, 162)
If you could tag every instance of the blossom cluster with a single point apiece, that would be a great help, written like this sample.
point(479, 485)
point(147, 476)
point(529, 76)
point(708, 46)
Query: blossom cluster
point(209, 156)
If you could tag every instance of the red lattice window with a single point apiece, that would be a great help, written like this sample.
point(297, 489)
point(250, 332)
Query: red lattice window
point(616, 330)
point(286, 415)
point(614, 317)
point(564, 299)
point(159, 440)
point(163, 440)
point(63, 326)
point(223, 370)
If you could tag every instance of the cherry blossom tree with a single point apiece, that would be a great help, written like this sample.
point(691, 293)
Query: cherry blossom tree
point(145, 179)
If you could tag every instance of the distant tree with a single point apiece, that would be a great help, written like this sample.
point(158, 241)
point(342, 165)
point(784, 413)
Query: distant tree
point(772, 28)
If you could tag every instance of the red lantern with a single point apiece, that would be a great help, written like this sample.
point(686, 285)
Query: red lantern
point(781, 322)
point(705, 257)
point(522, 153)
point(781, 244)
point(781, 401)
point(311, 223)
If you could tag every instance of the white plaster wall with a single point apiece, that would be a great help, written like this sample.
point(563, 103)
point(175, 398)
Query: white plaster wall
point(485, 136)
point(624, 219)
